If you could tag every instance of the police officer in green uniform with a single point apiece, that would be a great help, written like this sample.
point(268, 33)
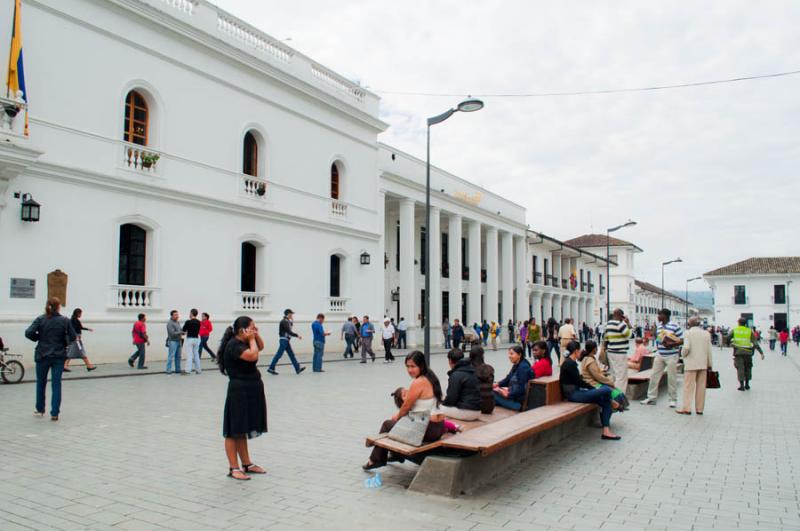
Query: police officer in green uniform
point(744, 343)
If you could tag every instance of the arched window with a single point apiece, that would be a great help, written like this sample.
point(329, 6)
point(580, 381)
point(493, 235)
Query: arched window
point(334, 181)
point(248, 273)
point(250, 158)
point(136, 119)
point(336, 273)
point(132, 255)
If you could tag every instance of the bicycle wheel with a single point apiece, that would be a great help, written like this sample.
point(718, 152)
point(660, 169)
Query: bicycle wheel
point(13, 372)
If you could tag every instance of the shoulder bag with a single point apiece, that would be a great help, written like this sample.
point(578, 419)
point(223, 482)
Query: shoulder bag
point(411, 428)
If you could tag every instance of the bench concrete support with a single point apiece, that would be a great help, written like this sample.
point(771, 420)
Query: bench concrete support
point(453, 476)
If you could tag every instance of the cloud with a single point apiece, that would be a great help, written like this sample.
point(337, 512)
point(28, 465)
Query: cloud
point(710, 173)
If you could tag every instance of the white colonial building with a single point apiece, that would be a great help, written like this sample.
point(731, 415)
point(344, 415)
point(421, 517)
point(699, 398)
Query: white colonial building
point(650, 298)
point(759, 289)
point(182, 158)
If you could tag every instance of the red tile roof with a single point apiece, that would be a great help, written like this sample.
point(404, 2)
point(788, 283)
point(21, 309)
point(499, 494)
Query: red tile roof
point(599, 240)
point(771, 265)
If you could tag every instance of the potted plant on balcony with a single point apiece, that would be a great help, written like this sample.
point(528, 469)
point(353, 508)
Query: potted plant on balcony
point(149, 159)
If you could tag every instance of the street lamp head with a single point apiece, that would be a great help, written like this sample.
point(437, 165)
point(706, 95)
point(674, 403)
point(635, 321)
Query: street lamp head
point(629, 223)
point(470, 105)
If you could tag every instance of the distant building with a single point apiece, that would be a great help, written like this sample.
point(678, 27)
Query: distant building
point(649, 300)
point(758, 289)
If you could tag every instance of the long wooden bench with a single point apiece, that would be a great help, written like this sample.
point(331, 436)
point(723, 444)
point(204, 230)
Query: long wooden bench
point(638, 381)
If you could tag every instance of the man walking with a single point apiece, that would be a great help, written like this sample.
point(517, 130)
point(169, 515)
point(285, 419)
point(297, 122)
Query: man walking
point(192, 330)
point(617, 341)
point(349, 336)
point(484, 332)
point(319, 333)
point(387, 334)
point(458, 334)
point(140, 339)
point(783, 339)
point(402, 329)
point(552, 338)
point(285, 334)
point(744, 343)
point(669, 338)
point(772, 337)
point(446, 333)
point(567, 333)
point(367, 331)
point(174, 340)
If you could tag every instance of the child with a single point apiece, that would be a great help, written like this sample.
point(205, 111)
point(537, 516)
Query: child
point(635, 361)
point(399, 396)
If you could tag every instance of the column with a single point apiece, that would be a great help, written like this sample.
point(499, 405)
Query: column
point(557, 270)
point(492, 276)
point(589, 313)
point(454, 258)
point(556, 306)
point(507, 277)
point(537, 307)
point(520, 278)
point(474, 260)
point(407, 295)
point(434, 232)
point(573, 308)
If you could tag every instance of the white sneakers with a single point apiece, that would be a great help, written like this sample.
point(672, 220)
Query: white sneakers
point(648, 402)
point(673, 403)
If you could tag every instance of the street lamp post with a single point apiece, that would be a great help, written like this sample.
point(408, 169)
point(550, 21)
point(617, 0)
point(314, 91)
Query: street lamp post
point(628, 223)
point(677, 260)
point(686, 300)
point(468, 105)
point(788, 309)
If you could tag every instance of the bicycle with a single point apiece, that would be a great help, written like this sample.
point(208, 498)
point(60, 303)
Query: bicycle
point(11, 368)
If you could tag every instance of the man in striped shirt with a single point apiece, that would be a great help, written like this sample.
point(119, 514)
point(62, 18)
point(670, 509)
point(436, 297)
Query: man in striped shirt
point(617, 340)
point(669, 338)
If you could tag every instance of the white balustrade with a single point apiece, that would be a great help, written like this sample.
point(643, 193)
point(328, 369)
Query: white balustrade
point(251, 300)
point(186, 6)
point(134, 297)
point(253, 187)
point(337, 82)
point(338, 209)
point(337, 305)
point(253, 38)
point(139, 158)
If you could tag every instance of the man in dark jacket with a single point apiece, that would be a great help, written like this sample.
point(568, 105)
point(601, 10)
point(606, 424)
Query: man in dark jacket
point(463, 399)
point(285, 334)
point(458, 334)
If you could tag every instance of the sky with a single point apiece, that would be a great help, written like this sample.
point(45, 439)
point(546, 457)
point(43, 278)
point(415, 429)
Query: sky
point(710, 174)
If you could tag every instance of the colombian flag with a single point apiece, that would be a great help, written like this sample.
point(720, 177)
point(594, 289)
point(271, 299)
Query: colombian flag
point(16, 71)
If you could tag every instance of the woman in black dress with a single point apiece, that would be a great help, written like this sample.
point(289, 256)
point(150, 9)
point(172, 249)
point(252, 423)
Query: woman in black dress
point(76, 350)
point(245, 406)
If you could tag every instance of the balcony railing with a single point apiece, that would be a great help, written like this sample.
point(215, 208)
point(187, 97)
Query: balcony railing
point(563, 283)
point(139, 158)
point(537, 278)
point(446, 270)
point(338, 209)
point(778, 300)
point(464, 273)
point(134, 297)
point(251, 301)
point(740, 301)
point(483, 276)
point(253, 187)
point(337, 304)
point(185, 6)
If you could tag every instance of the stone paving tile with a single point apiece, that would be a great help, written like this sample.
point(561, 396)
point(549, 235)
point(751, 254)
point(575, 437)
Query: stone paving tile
point(146, 453)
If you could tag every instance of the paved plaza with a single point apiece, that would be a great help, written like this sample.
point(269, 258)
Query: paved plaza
point(146, 452)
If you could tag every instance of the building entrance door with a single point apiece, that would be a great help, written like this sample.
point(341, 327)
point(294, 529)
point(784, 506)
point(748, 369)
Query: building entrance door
point(749, 317)
point(779, 321)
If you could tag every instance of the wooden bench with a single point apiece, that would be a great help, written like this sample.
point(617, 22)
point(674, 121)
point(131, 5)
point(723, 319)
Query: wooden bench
point(638, 381)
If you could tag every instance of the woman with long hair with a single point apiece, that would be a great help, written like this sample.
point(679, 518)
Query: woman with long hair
point(485, 374)
point(52, 332)
point(424, 396)
point(245, 414)
point(76, 349)
point(510, 391)
point(595, 376)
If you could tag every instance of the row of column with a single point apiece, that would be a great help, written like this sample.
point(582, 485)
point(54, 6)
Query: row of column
point(558, 306)
point(511, 248)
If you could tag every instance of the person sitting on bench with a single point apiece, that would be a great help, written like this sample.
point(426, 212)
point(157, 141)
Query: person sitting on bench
point(485, 374)
point(463, 398)
point(510, 391)
point(635, 361)
point(401, 393)
point(424, 395)
point(543, 366)
point(576, 389)
point(595, 376)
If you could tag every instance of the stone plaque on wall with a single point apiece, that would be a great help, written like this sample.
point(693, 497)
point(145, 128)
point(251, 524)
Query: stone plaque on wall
point(23, 288)
point(57, 285)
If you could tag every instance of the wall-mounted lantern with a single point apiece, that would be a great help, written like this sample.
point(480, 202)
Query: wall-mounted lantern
point(30, 208)
point(365, 258)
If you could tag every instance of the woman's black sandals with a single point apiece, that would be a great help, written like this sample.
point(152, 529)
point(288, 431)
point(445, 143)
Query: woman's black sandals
point(241, 477)
point(253, 469)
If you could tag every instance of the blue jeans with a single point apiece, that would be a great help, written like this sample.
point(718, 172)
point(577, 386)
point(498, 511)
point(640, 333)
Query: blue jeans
point(446, 341)
point(349, 338)
point(173, 354)
point(554, 345)
point(316, 363)
point(600, 396)
point(204, 346)
point(485, 339)
point(56, 365)
point(507, 403)
point(783, 348)
point(401, 340)
point(138, 354)
point(284, 346)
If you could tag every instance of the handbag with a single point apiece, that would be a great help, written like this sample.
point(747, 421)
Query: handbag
point(712, 380)
point(411, 428)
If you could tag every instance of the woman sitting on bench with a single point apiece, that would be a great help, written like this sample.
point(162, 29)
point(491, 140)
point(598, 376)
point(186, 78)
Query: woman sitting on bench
point(595, 376)
point(635, 361)
point(543, 366)
point(576, 389)
point(510, 391)
point(424, 395)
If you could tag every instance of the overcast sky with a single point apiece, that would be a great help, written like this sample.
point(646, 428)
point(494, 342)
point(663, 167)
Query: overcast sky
point(710, 174)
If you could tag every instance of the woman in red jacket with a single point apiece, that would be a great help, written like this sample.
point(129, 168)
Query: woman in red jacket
point(543, 366)
point(205, 331)
point(783, 338)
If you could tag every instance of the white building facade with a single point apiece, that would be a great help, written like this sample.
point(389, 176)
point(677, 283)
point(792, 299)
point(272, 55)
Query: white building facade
point(761, 290)
point(192, 161)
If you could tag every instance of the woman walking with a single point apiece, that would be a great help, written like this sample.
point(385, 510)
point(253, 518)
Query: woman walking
point(76, 349)
point(245, 414)
point(52, 332)
point(205, 332)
